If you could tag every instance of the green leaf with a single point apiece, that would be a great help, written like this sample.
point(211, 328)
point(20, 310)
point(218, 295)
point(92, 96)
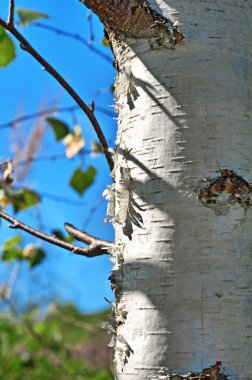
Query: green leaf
point(14, 240)
point(7, 48)
point(36, 255)
point(60, 128)
point(59, 234)
point(11, 249)
point(22, 199)
point(27, 16)
point(12, 253)
point(80, 180)
point(105, 42)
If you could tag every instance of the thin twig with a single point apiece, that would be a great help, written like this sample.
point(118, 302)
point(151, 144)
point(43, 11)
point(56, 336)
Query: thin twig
point(90, 22)
point(10, 20)
point(49, 111)
point(51, 157)
point(53, 197)
point(85, 237)
point(57, 198)
point(96, 248)
point(50, 69)
point(74, 36)
point(12, 280)
point(91, 213)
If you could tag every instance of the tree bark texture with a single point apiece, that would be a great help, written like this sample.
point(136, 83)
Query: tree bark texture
point(183, 265)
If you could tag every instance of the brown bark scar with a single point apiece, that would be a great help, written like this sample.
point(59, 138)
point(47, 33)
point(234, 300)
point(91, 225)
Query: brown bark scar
point(228, 187)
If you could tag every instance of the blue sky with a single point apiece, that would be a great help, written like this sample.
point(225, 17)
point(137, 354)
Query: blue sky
point(26, 88)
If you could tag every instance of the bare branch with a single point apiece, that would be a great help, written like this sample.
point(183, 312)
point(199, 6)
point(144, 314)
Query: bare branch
point(57, 198)
point(50, 111)
point(96, 248)
point(10, 20)
point(53, 197)
point(50, 69)
point(74, 36)
point(85, 237)
point(52, 157)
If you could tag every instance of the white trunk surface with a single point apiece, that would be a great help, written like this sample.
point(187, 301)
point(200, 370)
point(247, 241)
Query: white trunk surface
point(184, 280)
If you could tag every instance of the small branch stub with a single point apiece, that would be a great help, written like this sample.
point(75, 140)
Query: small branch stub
point(87, 238)
point(135, 19)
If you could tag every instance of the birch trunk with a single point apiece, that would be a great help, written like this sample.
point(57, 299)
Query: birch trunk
point(183, 267)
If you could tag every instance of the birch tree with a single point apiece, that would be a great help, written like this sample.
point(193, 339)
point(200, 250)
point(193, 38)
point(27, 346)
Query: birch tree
point(181, 197)
point(182, 274)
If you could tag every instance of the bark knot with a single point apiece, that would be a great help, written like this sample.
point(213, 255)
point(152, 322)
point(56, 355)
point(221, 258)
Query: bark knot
point(228, 188)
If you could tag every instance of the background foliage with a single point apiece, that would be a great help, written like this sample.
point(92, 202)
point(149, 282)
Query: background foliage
point(64, 344)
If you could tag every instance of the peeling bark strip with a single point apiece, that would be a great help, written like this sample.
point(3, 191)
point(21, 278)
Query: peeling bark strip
point(134, 19)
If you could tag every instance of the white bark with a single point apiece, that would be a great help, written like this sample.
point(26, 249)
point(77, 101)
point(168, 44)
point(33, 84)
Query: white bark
point(184, 284)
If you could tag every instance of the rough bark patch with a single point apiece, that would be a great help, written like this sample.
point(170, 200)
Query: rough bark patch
point(211, 373)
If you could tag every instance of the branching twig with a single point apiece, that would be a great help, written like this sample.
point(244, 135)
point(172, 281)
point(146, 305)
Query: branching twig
point(10, 20)
point(25, 45)
point(96, 247)
point(74, 36)
point(85, 237)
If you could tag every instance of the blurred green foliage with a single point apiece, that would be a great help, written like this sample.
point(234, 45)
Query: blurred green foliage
point(27, 16)
point(65, 344)
point(13, 250)
point(7, 48)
